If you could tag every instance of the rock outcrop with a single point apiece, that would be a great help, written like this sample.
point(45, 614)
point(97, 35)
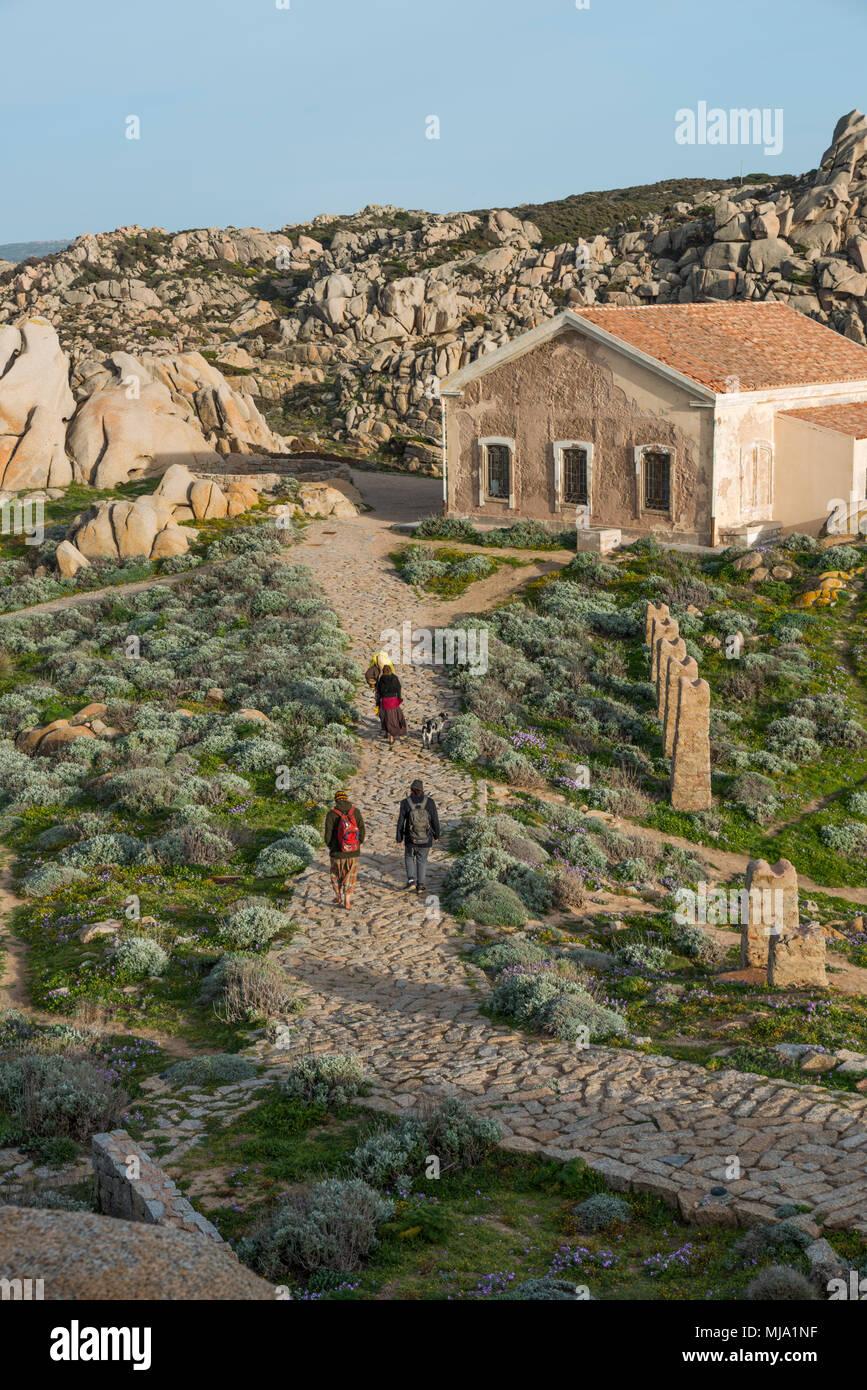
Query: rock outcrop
point(127, 530)
point(50, 738)
point(81, 1256)
point(316, 315)
point(200, 499)
point(35, 405)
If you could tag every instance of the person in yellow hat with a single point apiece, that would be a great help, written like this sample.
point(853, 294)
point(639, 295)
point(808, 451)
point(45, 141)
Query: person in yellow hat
point(379, 662)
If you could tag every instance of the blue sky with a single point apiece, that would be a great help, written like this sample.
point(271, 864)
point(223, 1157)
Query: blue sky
point(257, 116)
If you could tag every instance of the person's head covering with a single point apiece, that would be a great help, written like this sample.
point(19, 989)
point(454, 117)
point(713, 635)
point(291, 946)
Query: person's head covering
point(417, 787)
point(380, 659)
point(341, 795)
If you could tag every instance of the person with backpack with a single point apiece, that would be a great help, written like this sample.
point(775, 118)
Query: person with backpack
point(418, 828)
point(344, 836)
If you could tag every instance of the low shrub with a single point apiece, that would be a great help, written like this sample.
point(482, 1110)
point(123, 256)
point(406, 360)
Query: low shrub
point(329, 1080)
point(494, 905)
point(52, 1095)
point(779, 1283)
point(332, 1226)
point(458, 1137)
point(641, 955)
point(138, 956)
point(48, 878)
point(251, 928)
point(198, 1071)
point(601, 1211)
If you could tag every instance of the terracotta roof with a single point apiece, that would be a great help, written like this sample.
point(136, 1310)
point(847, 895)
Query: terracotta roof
point(845, 419)
point(762, 345)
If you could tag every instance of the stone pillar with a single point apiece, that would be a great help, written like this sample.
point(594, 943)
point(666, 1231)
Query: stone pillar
point(664, 629)
point(653, 612)
point(764, 915)
point(670, 650)
point(796, 959)
point(687, 667)
point(690, 764)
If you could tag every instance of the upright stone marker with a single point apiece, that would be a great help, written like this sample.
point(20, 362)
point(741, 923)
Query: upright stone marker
point(797, 959)
point(652, 612)
point(772, 893)
point(687, 667)
point(664, 629)
point(669, 651)
point(690, 765)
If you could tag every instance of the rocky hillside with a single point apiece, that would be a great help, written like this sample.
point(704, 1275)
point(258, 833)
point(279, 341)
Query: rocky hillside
point(340, 329)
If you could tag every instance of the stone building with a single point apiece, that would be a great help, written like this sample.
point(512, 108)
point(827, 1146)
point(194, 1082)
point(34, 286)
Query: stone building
point(714, 423)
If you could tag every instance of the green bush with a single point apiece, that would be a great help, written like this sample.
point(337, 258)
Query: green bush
point(600, 1211)
point(51, 1095)
point(138, 956)
point(329, 1080)
point(452, 1133)
point(502, 954)
point(494, 905)
point(251, 928)
point(333, 1226)
point(288, 855)
point(779, 1283)
point(579, 1016)
point(641, 955)
point(223, 1066)
point(48, 878)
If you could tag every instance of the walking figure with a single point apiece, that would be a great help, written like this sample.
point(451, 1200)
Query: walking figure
point(418, 829)
point(344, 836)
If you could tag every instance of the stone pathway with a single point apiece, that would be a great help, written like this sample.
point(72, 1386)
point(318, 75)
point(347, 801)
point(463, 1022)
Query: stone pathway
point(389, 981)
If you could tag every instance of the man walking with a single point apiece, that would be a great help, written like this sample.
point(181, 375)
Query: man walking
point(344, 836)
point(418, 828)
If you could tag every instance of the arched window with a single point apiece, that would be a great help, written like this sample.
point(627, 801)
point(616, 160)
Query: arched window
point(757, 477)
point(497, 471)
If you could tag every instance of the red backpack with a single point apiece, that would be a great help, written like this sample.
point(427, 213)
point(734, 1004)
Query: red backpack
point(347, 832)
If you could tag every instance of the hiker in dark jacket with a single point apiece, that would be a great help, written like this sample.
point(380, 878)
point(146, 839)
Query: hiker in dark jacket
point(418, 828)
point(344, 836)
point(390, 698)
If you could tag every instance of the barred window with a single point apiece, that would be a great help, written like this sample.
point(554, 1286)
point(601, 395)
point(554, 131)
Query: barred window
point(575, 475)
point(657, 480)
point(499, 462)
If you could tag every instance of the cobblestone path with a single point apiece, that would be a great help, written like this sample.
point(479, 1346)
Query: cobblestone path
point(388, 980)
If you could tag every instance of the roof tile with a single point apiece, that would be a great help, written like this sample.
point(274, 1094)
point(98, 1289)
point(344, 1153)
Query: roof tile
point(763, 345)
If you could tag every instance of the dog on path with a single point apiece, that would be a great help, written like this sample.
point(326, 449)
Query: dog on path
point(433, 728)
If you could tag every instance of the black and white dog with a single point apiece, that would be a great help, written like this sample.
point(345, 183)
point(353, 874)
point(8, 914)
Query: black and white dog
point(433, 728)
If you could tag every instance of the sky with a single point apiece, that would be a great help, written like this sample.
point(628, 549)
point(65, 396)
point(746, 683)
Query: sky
point(267, 112)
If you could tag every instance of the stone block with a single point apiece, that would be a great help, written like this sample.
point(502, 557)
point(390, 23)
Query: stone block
point(771, 908)
point(652, 612)
point(796, 959)
point(687, 666)
point(670, 650)
point(599, 540)
point(690, 766)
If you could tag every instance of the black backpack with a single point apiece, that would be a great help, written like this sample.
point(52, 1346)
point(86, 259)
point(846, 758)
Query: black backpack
point(419, 822)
